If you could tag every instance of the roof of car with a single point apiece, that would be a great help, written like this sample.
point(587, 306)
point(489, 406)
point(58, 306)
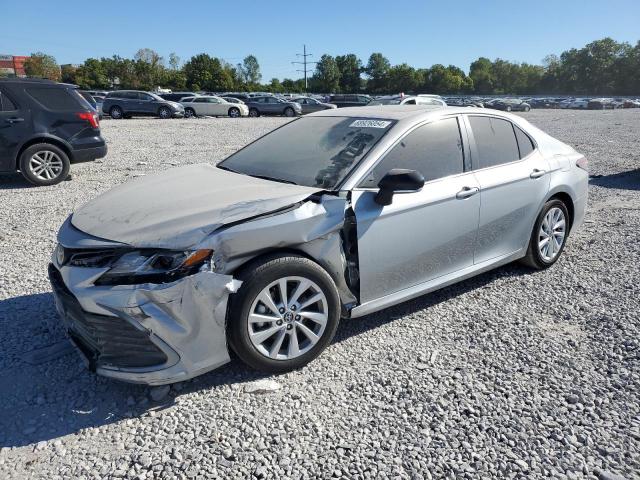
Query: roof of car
point(391, 112)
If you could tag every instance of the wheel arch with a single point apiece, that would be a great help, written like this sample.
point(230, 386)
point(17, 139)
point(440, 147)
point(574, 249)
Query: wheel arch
point(64, 146)
point(565, 198)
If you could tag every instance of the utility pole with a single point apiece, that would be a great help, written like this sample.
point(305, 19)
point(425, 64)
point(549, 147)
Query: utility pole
point(304, 62)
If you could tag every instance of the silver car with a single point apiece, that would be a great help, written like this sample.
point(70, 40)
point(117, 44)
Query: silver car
point(336, 214)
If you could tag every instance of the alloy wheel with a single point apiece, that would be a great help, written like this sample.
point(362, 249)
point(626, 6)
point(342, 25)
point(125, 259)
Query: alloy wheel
point(46, 165)
point(551, 234)
point(288, 318)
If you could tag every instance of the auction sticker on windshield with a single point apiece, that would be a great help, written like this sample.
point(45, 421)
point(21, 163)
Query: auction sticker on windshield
point(370, 124)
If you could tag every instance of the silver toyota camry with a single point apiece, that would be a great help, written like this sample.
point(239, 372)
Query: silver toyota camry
point(337, 214)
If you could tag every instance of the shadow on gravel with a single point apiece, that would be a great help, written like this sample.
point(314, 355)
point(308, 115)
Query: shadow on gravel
point(13, 182)
point(624, 181)
point(48, 393)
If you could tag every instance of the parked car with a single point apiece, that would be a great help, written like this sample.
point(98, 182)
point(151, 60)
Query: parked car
point(510, 105)
point(90, 100)
point(337, 214)
point(214, 106)
point(126, 103)
point(270, 105)
point(177, 96)
point(44, 128)
point(240, 96)
point(631, 104)
point(310, 105)
point(600, 103)
point(408, 100)
point(346, 100)
point(232, 100)
point(579, 103)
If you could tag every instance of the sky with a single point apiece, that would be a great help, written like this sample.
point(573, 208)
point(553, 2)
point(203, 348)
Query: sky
point(420, 33)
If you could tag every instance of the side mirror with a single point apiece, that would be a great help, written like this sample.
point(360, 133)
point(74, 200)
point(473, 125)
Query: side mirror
point(398, 180)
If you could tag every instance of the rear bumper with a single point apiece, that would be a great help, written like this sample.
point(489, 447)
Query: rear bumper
point(89, 154)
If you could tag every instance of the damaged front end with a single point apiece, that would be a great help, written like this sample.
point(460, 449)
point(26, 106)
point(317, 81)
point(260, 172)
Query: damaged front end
point(157, 328)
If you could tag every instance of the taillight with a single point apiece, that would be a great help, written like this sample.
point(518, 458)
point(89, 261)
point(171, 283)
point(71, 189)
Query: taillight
point(92, 118)
point(583, 164)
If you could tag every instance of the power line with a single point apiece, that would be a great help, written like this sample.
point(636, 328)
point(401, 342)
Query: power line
point(304, 62)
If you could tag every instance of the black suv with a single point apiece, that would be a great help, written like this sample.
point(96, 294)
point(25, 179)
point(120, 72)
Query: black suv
point(346, 100)
point(44, 127)
point(126, 103)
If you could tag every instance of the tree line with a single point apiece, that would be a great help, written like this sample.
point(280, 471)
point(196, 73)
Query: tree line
point(602, 67)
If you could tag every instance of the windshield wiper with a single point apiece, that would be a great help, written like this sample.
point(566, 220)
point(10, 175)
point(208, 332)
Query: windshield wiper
point(274, 179)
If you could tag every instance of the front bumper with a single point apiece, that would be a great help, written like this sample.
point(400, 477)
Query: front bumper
point(150, 334)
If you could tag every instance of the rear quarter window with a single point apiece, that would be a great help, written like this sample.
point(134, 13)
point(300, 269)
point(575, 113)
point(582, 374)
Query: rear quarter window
point(6, 105)
point(54, 98)
point(525, 144)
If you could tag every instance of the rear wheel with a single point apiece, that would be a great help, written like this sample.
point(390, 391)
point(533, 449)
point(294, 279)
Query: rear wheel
point(253, 112)
point(44, 164)
point(526, 109)
point(548, 236)
point(234, 112)
point(116, 113)
point(284, 315)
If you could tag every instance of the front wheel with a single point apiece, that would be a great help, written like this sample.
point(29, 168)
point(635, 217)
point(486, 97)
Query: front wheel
point(289, 112)
point(253, 112)
point(189, 113)
point(548, 236)
point(164, 113)
point(284, 315)
point(526, 109)
point(44, 164)
point(234, 112)
point(116, 113)
point(508, 109)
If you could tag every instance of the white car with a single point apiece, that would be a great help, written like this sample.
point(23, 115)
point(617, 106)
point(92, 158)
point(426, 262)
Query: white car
point(213, 106)
point(432, 100)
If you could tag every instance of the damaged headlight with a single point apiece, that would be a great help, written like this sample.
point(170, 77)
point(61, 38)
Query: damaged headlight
point(155, 266)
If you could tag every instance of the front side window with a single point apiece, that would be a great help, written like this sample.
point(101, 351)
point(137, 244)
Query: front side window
point(311, 151)
point(200, 100)
point(434, 150)
point(495, 141)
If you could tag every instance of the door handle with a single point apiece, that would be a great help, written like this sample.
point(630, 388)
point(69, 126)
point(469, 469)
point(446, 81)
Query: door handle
point(537, 173)
point(467, 192)
point(15, 120)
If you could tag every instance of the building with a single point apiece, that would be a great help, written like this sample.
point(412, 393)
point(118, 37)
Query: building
point(12, 65)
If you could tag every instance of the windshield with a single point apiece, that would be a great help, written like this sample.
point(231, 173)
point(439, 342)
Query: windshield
point(385, 101)
point(311, 151)
point(156, 97)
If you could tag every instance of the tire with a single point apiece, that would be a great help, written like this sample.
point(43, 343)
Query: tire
point(289, 112)
point(116, 113)
point(234, 112)
point(508, 109)
point(34, 158)
point(535, 258)
point(266, 275)
point(189, 113)
point(164, 113)
point(526, 109)
point(253, 112)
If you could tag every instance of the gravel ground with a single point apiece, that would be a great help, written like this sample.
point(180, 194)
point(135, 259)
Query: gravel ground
point(511, 374)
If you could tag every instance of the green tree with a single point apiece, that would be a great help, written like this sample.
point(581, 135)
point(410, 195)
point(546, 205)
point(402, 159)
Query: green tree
point(41, 65)
point(249, 71)
point(326, 78)
point(377, 71)
point(92, 74)
point(350, 68)
point(68, 73)
point(403, 79)
point(208, 73)
point(481, 73)
point(174, 61)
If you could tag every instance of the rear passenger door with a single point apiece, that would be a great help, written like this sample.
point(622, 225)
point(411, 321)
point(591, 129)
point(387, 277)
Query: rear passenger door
point(514, 181)
point(14, 125)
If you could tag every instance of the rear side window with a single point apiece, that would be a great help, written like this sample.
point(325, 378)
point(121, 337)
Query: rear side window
point(434, 150)
point(495, 140)
point(524, 142)
point(54, 98)
point(6, 105)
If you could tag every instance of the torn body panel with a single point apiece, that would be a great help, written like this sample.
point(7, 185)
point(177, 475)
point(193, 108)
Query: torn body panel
point(183, 320)
point(314, 228)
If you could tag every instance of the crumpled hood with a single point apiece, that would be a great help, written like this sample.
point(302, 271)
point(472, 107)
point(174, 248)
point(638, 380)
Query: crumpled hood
point(181, 206)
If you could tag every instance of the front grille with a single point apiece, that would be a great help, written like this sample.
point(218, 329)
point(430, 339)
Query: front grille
point(103, 339)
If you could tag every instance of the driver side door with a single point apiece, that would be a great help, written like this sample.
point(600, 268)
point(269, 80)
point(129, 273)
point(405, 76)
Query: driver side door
point(421, 235)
